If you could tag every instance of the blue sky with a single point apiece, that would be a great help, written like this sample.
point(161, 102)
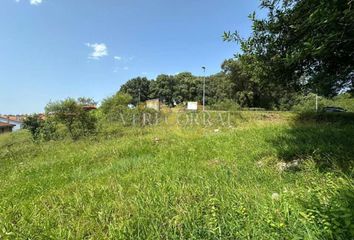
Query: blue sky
point(54, 49)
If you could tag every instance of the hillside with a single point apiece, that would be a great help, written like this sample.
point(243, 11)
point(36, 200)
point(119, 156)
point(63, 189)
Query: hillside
point(268, 176)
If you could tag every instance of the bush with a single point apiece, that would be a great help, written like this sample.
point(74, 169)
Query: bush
point(345, 101)
point(33, 124)
point(308, 103)
point(226, 105)
point(113, 107)
point(71, 113)
point(43, 129)
point(50, 130)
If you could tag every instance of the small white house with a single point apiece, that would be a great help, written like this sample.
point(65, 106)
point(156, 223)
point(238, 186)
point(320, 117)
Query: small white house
point(5, 127)
point(17, 124)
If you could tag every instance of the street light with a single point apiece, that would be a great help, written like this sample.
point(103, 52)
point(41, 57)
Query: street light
point(139, 96)
point(204, 89)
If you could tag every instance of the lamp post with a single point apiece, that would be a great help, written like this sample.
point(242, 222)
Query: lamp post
point(139, 96)
point(204, 89)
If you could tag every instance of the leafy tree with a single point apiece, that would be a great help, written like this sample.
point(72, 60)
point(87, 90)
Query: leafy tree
point(71, 113)
point(186, 87)
point(138, 88)
point(164, 88)
point(218, 88)
point(242, 88)
point(302, 45)
point(116, 104)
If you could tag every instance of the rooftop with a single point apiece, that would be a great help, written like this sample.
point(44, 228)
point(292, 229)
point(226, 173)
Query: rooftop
point(89, 107)
point(2, 125)
point(12, 118)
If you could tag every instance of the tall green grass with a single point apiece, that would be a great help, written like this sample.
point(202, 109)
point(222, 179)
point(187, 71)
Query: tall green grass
point(174, 182)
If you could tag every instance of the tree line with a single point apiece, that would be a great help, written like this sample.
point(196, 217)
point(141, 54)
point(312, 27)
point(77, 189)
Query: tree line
point(301, 47)
point(177, 89)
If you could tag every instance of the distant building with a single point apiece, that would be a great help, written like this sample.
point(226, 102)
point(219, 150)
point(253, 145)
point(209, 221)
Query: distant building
point(6, 127)
point(12, 120)
point(153, 104)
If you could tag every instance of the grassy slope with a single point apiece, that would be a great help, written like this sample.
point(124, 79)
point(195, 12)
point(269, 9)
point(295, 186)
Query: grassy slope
point(175, 183)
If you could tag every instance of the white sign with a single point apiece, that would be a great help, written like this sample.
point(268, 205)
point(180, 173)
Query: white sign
point(192, 106)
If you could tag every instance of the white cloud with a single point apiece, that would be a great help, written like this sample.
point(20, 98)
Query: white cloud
point(119, 69)
point(124, 59)
point(32, 2)
point(99, 50)
point(35, 2)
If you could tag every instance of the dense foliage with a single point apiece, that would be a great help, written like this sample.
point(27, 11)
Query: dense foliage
point(33, 124)
point(301, 46)
point(169, 89)
point(228, 90)
point(71, 113)
point(227, 85)
point(115, 104)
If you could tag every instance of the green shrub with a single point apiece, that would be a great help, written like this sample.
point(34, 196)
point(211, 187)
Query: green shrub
point(225, 105)
point(33, 124)
point(49, 130)
point(112, 107)
point(70, 112)
point(308, 103)
point(345, 101)
point(41, 129)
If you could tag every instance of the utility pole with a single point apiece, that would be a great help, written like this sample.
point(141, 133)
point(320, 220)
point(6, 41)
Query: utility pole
point(204, 89)
point(139, 96)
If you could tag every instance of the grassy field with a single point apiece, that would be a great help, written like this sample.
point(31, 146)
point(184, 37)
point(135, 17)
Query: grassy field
point(265, 177)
